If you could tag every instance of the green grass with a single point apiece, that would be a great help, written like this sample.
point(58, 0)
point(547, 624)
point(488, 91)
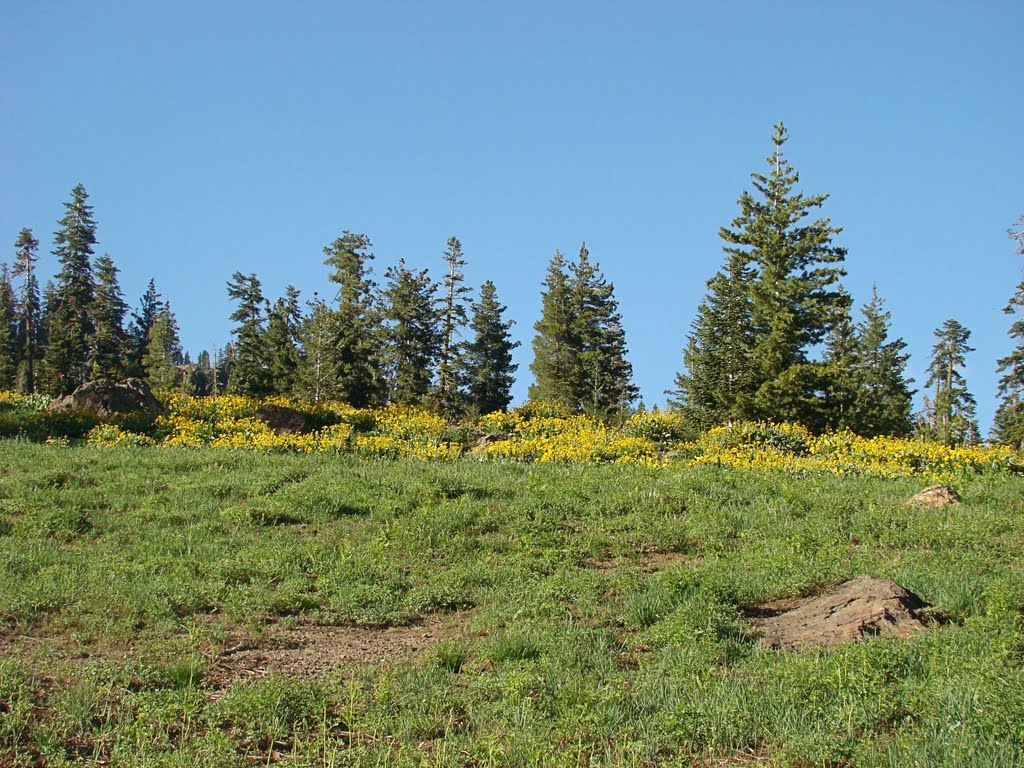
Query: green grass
point(124, 573)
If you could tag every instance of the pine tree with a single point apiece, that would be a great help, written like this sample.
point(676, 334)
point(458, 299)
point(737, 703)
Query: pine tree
point(883, 402)
point(201, 378)
point(719, 383)
point(953, 420)
point(487, 369)
point(353, 352)
point(281, 342)
point(28, 318)
point(250, 375)
point(8, 330)
point(315, 374)
point(841, 362)
point(108, 312)
point(163, 352)
point(453, 318)
point(555, 348)
point(603, 379)
point(1008, 426)
point(778, 297)
point(68, 352)
point(413, 339)
point(796, 293)
point(138, 329)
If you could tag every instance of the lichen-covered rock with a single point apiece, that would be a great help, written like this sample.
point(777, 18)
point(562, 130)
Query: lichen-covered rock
point(108, 397)
point(859, 608)
point(284, 420)
point(936, 496)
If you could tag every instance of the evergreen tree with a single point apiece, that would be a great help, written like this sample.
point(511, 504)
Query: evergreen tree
point(719, 383)
point(413, 340)
point(487, 369)
point(778, 297)
point(796, 293)
point(27, 317)
point(281, 342)
point(1008, 426)
point(201, 379)
point(353, 352)
point(315, 375)
point(250, 375)
point(68, 352)
point(952, 419)
point(580, 346)
point(841, 362)
point(163, 352)
point(883, 402)
point(108, 312)
point(138, 329)
point(8, 345)
point(603, 379)
point(555, 348)
point(452, 318)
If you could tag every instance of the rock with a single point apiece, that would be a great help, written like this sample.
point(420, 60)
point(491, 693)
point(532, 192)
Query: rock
point(107, 397)
point(284, 420)
point(860, 608)
point(483, 442)
point(936, 496)
point(489, 439)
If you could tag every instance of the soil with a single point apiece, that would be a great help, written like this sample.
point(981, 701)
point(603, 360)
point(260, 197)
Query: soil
point(59, 648)
point(650, 562)
point(860, 608)
point(311, 650)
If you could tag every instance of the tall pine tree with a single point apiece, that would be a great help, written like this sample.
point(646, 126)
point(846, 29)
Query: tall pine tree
point(250, 374)
point(315, 374)
point(603, 380)
point(719, 382)
point(412, 335)
point(8, 331)
point(951, 418)
point(782, 284)
point(841, 359)
point(487, 369)
point(281, 342)
point(452, 311)
point(1008, 426)
point(555, 348)
point(352, 360)
point(580, 347)
point(28, 314)
point(163, 352)
point(68, 351)
point(138, 329)
point(110, 343)
point(883, 402)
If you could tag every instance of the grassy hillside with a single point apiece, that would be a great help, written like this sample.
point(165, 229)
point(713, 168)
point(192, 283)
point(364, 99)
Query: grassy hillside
point(162, 607)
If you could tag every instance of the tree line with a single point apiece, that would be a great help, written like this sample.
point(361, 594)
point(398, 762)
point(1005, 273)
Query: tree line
point(774, 338)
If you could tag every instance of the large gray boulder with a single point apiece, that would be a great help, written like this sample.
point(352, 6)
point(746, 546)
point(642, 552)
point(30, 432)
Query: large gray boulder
point(108, 397)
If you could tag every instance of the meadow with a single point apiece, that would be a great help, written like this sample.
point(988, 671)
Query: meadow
point(183, 606)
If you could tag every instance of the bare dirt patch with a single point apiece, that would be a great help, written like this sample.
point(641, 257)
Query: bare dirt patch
point(650, 562)
point(58, 648)
point(859, 608)
point(653, 562)
point(309, 651)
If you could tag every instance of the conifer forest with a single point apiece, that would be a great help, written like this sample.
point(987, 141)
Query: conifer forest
point(776, 338)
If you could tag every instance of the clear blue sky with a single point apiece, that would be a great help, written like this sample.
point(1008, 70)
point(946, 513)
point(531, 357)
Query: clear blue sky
point(217, 136)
